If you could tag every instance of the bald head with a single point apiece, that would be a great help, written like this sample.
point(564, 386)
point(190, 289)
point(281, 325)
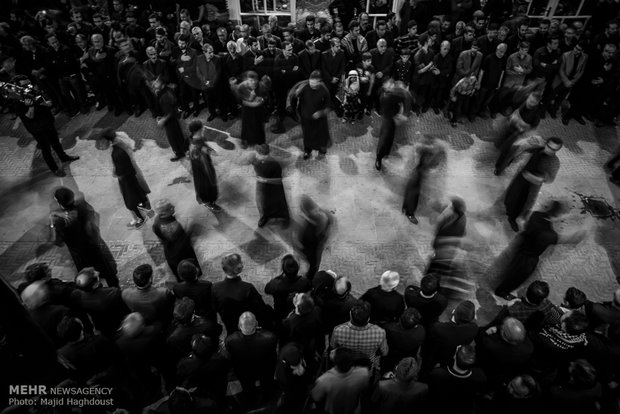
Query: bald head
point(512, 331)
point(35, 295)
point(247, 323)
point(444, 47)
point(500, 50)
point(133, 324)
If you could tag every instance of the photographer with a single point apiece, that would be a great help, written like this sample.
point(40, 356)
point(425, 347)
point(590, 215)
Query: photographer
point(37, 118)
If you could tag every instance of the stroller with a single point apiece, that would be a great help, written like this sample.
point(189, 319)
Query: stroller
point(349, 97)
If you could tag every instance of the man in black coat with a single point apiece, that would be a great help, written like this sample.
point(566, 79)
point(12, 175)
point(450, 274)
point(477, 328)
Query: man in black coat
point(284, 287)
point(104, 304)
point(65, 68)
point(37, 118)
point(442, 338)
point(232, 296)
point(101, 62)
point(426, 299)
point(332, 69)
point(253, 355)
point(309, 59)
point(404, 338)
point(194, 288)
point(286, 72)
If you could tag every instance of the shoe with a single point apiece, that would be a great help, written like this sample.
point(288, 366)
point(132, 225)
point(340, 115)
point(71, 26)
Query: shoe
point(213, 207)
point(141, 223)
point(211, 117)
point(70, 158)
point(497, 172)
point(306, 155)
point(513, 225)
point(176, 158)
point(262, 221)
point(437, 111)
point(185, 114)
point(412, 219)
point(60, 173)
point(565, 121)
point(580, 120)
point(99, 106)
point(378, 165)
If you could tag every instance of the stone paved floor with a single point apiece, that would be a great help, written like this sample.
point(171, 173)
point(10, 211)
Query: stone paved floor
point(372, 234)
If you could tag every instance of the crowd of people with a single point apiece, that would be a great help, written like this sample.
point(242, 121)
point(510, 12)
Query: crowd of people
point(318, 348)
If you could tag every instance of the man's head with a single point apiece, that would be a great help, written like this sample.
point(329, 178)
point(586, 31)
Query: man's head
point(290, 266)
point(154, 21)
point(523, 386)
point(360, 313)
point(475, 46)
point(389, 280)
point(310, 46)
point(537, 291)
point(203, 346)
point(222, 35)
point(523, 28)
point(326, 33)
point(70, 329)
point(287, 49)
point(465, 312)
point(553, 43)
point(411, 318)
point(425, 40)
point(133, 325)
point(429, 285)
point(310, 22)
point(469, 34)
point(28, 43)
point(412, 28)
point(143, 276)
point(381, 28)
point(76, 16)
point(307, 206)
point(574, 298)
point(444, 48)
point(609, 51)
point(582, 374)
point(253, 43)
point(578, 26)
point(612, 28)
point(248, 323)
point(303, 303)
point(543, 26)
point(185, 28)
point(354, 28)
point(245, 31)
point(579, 48)
point(502, 33)
point(188, 271)
point(207, 49)
point(196, 128)
point(37, 271)
point(343, 359)
point(569, 35)
point(232, 265)
point(160, 35)
point(35, 295)
point(231, 46)
point(64, 197)
point(364, 18)
point(334, 44)
point(88, 279)
point(197, 33)
point(407, 370)
point(126, 46)
point(479, 19)
point(533, 99)
point(98, 20)
point(287, 34)
point(465, 357)
point(512, 331)
point(382, 46)
point(151, 53)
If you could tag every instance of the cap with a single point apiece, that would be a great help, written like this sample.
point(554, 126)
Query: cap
point(389, 280)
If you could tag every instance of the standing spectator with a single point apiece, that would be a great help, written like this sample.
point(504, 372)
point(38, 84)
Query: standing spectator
point(189, 84)
point(285, 286)
point(426, 299)
point(64, 67)
point(176, 242)
point(354, 44)
point(309, 59)
point(338, 304)
point(185, 324)
point(488, 43)
point(367, 340)
point(192, 287)
point(409, 40)
point(443, 63)
point(263, 40)
point(33, 62)
point(461, 97)
point(454, 388)
point(403, 68)
point(380, 32)
point(169, 120)
point(490, 81)
point(518, 66)
point(404, 338)
point(294, 379)
point(395, 102)
point(463, 43)
point(572, 66)
point(332, 70)
point(402, 392)
point(303, 326)
point(101, 62)
point(155, 304)
point(443, 338)
point(75, 226)
point(423, 72)
point(568, 41)
point(309, 32)
point(253, 354)
point(503, 351)
point(386, 304)
point(205, 178)
point(104, 305)
point(209, 69)
point(468, 62)
point(323, 43)
point(286, 73)
point(46, 314)
point(252, 94)
point(539, 39)
point(232, 296)
point(39, 122)
point(232, 68)
point(546, 62)
point(341, 389)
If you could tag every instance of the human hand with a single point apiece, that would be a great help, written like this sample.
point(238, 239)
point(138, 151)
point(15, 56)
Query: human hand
point(295, 68)
point(334, 80)
point(181, 69)
point(316, 115)
point(491, 330)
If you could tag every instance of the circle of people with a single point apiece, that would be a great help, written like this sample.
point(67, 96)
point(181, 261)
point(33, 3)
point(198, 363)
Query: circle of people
point(325, 349)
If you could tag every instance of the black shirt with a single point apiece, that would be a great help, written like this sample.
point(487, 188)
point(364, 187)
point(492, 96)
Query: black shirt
point(493, 68)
